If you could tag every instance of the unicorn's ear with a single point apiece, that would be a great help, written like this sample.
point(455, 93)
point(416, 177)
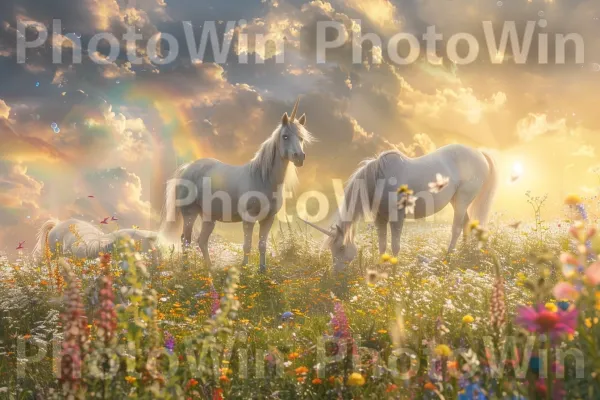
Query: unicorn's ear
point(302, 120)
point(285, 119)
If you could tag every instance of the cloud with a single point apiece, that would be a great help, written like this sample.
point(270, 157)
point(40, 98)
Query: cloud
point(381, 13)
point(585, 151)
point(19, 192)
point(116, 191)
point(535, 125)
point(4, 110)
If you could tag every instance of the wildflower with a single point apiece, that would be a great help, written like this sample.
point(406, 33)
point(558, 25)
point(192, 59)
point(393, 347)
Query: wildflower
point(430, 386)
point(589, 322)
point(570, 265)
point(301, 370)
point(563, 305)
point(592, 273)
point(356, 379)
point(394, 261)
point(130, 379)
point(407, 202)
point(373, 276)
point(541, 320)
point(218, 394)
point(76, 335)
point(293, 356)
point(551, 307)
point(301, 379)
point(169, 342)
point(385, 257)
point(391, 388)
point(443, 351)
point(224, 379)
point(316, 381)
point(287, 315)
point(467, 319)
point(403, 189)
point(339, 322)
point(498, 305)
point(565, 291)
point(573, 199)
point(440, 183)
point(192, 382)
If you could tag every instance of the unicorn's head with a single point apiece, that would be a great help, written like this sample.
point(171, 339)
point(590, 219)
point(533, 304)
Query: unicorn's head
point(292, 137)
point(341, 244)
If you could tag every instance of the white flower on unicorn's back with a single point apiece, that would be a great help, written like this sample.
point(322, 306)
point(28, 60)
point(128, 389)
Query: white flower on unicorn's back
point(440, 183)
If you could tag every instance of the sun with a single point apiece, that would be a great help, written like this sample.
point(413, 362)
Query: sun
point(518, 168)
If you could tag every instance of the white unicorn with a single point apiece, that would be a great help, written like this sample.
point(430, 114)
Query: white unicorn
point(470, 185)
point(248, 193)
point(81, 239)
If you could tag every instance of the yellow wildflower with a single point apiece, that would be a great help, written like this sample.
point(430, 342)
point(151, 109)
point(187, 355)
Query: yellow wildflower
point(572, 199)
point(385, 257)
point(467, 319)
point(443, 350)
point(356, 379)
point(394, 261)
point(551, 307)
point(130, 379)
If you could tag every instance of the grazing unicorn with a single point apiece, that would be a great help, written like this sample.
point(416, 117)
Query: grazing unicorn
point(248, 193)
point(469, 185)
point(82, 239)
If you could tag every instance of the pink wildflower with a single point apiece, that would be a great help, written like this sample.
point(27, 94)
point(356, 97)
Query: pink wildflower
point(541, 320)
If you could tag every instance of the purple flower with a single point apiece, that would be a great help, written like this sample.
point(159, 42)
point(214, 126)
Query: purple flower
point(169, 342)
point(339, 322)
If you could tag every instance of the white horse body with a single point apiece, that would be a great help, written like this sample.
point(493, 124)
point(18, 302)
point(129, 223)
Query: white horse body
point(471, 186)
point(247, 193)
point(81, 239)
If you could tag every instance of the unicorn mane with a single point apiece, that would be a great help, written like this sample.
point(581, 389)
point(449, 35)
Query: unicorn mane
point(367, 173)
point(263, 161)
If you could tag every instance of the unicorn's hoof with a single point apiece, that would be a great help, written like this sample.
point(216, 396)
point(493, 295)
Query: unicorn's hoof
point(262, 269)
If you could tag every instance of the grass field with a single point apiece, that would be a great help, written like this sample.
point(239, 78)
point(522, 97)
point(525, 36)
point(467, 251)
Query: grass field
point(420, 326)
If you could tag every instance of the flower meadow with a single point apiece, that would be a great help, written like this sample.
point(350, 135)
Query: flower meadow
point(513, 313)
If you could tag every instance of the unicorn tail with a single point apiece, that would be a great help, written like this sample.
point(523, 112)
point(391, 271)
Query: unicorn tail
point(480, 208)
point(171, 219)
point(42, 237)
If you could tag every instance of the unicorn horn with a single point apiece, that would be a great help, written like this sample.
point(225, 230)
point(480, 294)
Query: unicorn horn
point(293, 116)
point(325, 231)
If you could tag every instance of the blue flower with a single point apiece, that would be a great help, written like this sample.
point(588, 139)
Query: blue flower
point(472, 392)
point(287, 315)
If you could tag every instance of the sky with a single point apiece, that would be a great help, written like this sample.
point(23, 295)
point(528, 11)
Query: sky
point(117, 131)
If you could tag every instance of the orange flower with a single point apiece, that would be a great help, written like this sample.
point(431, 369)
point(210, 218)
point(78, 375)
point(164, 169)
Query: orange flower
point(430, 386)
point(390, 388)
point(452, 364)
point(301, 370)
point(192, 382)
point(301, 379)
point(224, 379)
point(293, 356)
point(316, 381)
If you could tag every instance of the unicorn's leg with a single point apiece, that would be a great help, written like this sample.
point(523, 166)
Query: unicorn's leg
point(463, 197)
point(265, 228)
point(207, 228)
point(458, 222)
point(248, 228)
point(189, 219)
point(466, 226)
point(382, 234)
point(396, 229)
